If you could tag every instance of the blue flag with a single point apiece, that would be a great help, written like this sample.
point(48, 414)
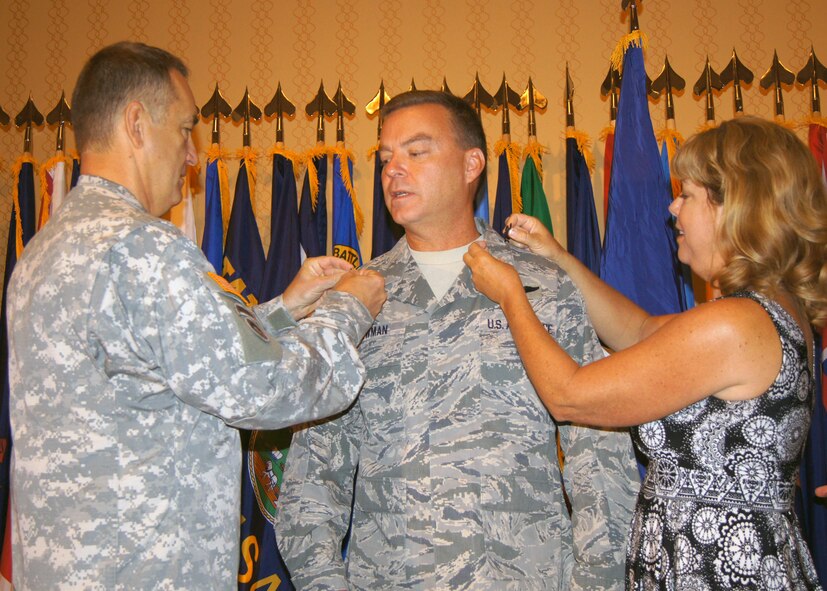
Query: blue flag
point(583, 233)
point(75, 172)
point(481, 200)
point(386, 232)
point(243, 252)
point(346, 212)
point(639, 255)
point(284, 256)
point(313, 242)
point(21, 229)
point(504, 197)
point(212, 241)
point(685, 276)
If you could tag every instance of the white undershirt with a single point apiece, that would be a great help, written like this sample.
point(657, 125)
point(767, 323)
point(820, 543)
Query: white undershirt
point(441, 267)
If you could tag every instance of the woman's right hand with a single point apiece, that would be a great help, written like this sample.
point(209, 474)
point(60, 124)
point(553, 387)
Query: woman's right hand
point(528, 232)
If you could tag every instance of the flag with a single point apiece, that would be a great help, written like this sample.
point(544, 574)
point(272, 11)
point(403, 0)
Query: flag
point(182, 215)
point(531, 185)
point(21, 229)
point(52, 186)
point(507, 199)
point(582, 230)
point(347, 216)
point(671, 139)
point(639, 253)
point(284, 255)
point(216, 188)
point(313, 205)
point(812, 512)
point(481, 199)
point(608, 136)
point(75, 171)
point(243, 252)
point(386, 232)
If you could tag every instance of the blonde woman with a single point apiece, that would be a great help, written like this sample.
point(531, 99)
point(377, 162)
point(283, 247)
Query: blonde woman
point(720, 395)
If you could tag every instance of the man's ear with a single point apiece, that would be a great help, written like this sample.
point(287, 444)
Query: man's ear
point(474, 164)
point(134, 119)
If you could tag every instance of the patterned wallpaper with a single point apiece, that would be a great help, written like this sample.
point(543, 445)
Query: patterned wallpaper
point(358, 43)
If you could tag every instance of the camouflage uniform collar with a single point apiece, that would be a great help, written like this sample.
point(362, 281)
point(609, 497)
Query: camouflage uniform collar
point(88, 181)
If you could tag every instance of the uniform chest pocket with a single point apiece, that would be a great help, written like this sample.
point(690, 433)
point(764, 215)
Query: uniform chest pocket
point(380, 400)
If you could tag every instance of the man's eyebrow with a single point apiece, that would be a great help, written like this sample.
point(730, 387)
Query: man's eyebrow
point(420, 137)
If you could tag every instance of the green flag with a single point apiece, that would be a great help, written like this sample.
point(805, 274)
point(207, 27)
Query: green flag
point(531, 188)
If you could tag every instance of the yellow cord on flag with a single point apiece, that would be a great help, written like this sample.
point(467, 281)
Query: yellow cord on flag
point(673, 139)
point(635, 38)
point(345, 156)
point(512, 157)
point(604, 133)
point(18, 166)
point(372, 151)
point(706, 126)
point(584, 144)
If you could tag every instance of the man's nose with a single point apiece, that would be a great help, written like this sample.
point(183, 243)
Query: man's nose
point(192, 155)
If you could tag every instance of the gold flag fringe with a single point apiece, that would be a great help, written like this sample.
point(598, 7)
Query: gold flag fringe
point(15, 171)
point(512, 157)
point(372, 151)
point(604, 133)
point(813, 120)
point(249, 155)
point(345, 156)
point(535, 151)
point(706, 126)
point(635, 38)
point(216, 153)
point(673, 139)
point(789, 124)
point(292, 156)
point(312, 173)
point(584, 144)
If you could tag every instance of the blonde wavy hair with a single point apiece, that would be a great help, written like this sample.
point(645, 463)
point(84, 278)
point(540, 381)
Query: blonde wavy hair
point(773, 230)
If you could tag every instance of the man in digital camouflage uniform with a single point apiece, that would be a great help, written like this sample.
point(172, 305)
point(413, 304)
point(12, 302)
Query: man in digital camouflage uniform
point(130, 361)
point(459, 484)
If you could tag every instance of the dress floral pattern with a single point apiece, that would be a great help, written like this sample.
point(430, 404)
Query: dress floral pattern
point(715, 510)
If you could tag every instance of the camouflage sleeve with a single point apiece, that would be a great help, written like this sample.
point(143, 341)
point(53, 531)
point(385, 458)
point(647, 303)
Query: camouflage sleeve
point(274, 315)
point(599, 470)
point(217, 356)
point(315, 501)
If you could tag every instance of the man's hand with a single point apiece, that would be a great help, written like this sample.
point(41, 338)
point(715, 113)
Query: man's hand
point(368, 286)
point(315, 277)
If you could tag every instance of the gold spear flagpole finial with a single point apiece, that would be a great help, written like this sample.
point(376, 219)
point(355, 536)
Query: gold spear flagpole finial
point(375, 105)
point(321, 106)
point(280, 106)
point(610, 88)
point(776, 77)
point(534, 101)
point(344, 106)
point(478, 97)
point(28, 116)
point(569, 99)
point(60, 116)
point(706, 84)
point(507, 98)
point(216, 107)
point(667, 81)
point(4, 117)
point(737, 73)
point(245, 111)
point(813, 72)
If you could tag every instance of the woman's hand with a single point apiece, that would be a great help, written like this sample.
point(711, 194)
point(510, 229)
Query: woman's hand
point(493, 278)
point(530, 233)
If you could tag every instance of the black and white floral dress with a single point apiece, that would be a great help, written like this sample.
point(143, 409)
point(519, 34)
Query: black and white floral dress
point(716, 508)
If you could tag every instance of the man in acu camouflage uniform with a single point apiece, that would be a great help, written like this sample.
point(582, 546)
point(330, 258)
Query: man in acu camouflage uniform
point(130, 362)
point(459, 484)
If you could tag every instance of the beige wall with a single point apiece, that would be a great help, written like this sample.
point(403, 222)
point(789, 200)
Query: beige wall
point(300, 43)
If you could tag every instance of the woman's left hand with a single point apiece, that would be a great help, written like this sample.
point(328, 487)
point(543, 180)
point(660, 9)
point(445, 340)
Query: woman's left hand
point(493, 278)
